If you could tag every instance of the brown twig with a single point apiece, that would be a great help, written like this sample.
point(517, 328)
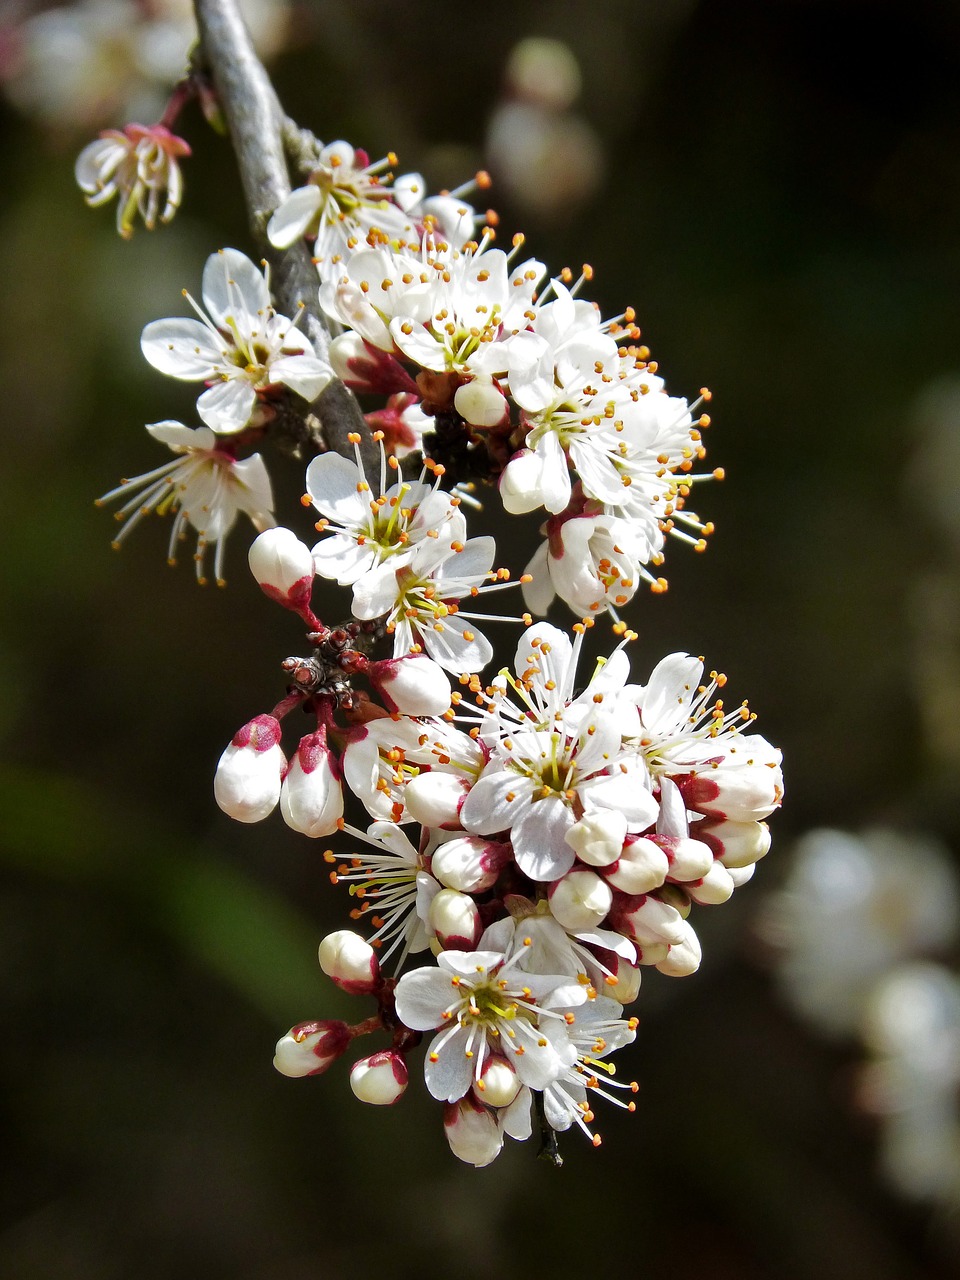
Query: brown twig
point(256, 122)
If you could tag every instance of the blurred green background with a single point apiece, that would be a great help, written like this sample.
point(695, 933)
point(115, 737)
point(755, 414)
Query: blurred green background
point(780, 201)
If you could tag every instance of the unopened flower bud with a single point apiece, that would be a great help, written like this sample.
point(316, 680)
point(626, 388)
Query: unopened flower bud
point(746, 785)
point(481, 404)
point(379, 1079)
point(498, 1084)
point(521, 484)
point(311, 798)
point(470, 864)
point(740, 875)
point(647, 920)
point(689, 859)
point(641, 867)
point(716, 886)
point(580, 900)
point(683, 957)
point(283, 566)
point(350, 961)
point(736, 844)
point(597, 838)
point(249, 773)
point(414, 685)
point(455, 920)
point(472, 1132)
point(433, 799)
point(311, 1047)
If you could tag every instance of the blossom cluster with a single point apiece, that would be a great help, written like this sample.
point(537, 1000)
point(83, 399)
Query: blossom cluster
point(537, 837)
point(543, 841)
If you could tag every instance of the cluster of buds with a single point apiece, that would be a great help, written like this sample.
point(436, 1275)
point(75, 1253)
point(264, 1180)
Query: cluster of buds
point(538, 837)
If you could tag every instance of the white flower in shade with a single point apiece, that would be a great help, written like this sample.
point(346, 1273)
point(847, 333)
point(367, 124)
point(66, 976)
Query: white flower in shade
point(591, 561)
point(482, 1002)
point(361, 531)
point(912, 1030)
point(240, 346)
point(205, 486)
point(554, 757)
point(345, 200)
point(140, 167)
point(852, 908)
point(391, 887)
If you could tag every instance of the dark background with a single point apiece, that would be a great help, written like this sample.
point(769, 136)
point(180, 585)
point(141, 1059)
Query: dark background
point(781, 205)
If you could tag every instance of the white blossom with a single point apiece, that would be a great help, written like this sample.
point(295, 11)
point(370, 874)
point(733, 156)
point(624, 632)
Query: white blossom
point(240, 346)
point(205, 486)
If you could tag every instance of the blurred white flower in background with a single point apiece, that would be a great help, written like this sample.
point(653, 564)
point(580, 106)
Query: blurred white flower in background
point(852, 908)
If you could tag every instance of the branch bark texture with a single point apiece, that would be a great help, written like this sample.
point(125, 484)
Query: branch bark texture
point(256, 121)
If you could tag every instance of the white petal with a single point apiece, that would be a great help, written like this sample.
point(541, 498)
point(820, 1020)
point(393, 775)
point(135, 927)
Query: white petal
point(293, 215)
point(226, 406)
point(234, 289)
point(182, 348)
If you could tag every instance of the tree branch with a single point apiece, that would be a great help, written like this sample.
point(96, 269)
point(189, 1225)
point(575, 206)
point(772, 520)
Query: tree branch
point(256, 122)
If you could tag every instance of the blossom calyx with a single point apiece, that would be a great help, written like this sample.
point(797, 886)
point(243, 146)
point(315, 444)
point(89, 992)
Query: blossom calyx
point(311, 1047)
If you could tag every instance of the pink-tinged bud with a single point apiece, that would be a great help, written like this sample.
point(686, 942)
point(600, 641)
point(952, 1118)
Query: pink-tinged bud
point(472, 1132)
point(715, 887)
point(736, 844)
point(470, 864)
point(455, 920)
point(641, 867)
point(311, 799)
point(351, 962)
point(498, 1084)
point(433, 799)
point(311, 1047)
point(481, 404)
point(745, 784)
point(413, 685)
point(689, 859)
point(249, 773)
point(647, 920)
point(597, 838)
point(379, 1079)
point(283, 566)
point(580, 900)
point(683, 957)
